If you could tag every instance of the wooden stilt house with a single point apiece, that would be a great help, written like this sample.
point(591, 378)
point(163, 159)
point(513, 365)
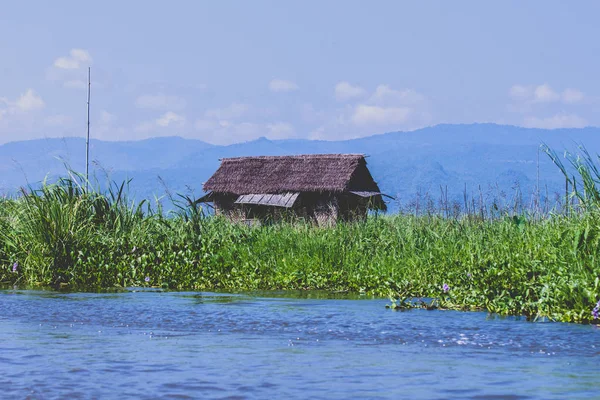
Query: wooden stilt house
point(322, 188)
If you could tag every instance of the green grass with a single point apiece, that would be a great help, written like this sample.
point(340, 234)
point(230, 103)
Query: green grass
point(63, 234)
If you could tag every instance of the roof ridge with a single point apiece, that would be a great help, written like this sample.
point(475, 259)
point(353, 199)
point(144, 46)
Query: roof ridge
point(324, 155)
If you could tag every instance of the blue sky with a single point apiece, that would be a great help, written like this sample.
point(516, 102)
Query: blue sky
point(232, 71)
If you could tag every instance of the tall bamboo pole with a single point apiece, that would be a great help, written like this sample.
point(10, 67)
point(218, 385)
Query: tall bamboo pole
point(87, 142)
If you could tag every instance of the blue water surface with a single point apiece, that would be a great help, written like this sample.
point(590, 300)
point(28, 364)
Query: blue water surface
point(152, 344)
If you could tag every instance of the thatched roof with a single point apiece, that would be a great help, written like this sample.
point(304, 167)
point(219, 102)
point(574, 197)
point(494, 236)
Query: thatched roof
point(303, 173)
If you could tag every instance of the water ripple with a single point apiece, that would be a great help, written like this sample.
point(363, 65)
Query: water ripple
point(148, 344)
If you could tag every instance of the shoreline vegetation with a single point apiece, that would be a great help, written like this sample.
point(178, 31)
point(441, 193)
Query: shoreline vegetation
point(539, 265)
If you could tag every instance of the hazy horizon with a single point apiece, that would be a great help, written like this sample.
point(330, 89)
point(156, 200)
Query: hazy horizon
point(125, 140)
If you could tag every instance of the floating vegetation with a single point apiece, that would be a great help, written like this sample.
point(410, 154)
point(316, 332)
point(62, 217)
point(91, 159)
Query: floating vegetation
point(539, 266)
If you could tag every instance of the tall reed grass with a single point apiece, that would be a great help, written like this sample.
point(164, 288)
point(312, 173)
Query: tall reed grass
point(63, 234)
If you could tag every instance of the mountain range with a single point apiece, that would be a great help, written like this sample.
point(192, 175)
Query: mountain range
point(477, 160)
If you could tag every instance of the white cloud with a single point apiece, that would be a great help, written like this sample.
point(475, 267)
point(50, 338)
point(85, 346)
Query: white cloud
point(20, 118)
point(385, 95)
point(29, 101)
point(170, 118)
point(70, 71)
point(280, 85)
point(534, 94)
point(160, 102)
point(571, 96)
point(387, 108)
point(383, 110)
point(556, 121)
point(375, 115)
point(234, 111)
point(166, 120)
point(345, 91)
point(545, 94)
point(75, 59)
point(70, 79)
point(527, 95)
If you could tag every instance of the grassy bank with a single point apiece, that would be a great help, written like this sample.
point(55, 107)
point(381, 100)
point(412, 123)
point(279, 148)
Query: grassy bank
point(63, 234)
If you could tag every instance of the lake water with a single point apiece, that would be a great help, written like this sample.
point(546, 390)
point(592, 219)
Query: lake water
point(148, 344)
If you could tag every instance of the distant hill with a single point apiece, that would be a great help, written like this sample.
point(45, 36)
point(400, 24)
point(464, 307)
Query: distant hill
point(483, 159)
